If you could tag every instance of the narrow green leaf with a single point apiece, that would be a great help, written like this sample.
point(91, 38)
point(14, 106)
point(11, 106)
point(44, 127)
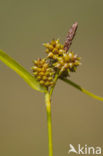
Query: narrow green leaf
point(32, 82)
point(82, 89)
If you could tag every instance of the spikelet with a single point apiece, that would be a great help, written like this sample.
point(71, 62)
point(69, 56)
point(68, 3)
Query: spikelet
point(60, 59)
point(70, 36)
point(43, 73)
point(68, 61)
point(54, 49)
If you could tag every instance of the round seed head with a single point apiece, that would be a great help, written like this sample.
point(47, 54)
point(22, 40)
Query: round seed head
point(60, 59)
point(42, 72)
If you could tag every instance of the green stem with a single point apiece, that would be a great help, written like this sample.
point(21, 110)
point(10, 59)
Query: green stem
point(48, 109)
point(82, 89)
point(55, 80)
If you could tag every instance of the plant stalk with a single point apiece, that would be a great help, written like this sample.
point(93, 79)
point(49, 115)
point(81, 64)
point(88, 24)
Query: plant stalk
point(49, 122)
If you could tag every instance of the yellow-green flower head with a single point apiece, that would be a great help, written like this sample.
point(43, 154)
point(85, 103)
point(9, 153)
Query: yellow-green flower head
point(43, 73)
point(68, 61)
point(60, 59)
point(54, 49)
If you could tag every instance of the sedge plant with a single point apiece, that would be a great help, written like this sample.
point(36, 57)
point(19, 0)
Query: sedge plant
point(58, 64)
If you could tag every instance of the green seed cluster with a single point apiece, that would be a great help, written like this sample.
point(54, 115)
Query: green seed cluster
point(61, 60)
point(68, 61)
point(54, 49)
point(43, 73)
point(58, 60)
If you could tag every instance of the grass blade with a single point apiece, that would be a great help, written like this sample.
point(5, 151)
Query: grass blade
point(82, 89)
point(21, 71)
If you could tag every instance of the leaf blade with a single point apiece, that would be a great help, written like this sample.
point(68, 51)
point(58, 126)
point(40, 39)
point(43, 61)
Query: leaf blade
point(82, 89)
point(21, 71)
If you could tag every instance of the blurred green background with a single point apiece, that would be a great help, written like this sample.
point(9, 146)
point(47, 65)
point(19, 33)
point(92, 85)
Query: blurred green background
point(77, 118)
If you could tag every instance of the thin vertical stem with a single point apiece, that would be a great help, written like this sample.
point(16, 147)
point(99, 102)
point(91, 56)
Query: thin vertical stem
point(48, 109)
